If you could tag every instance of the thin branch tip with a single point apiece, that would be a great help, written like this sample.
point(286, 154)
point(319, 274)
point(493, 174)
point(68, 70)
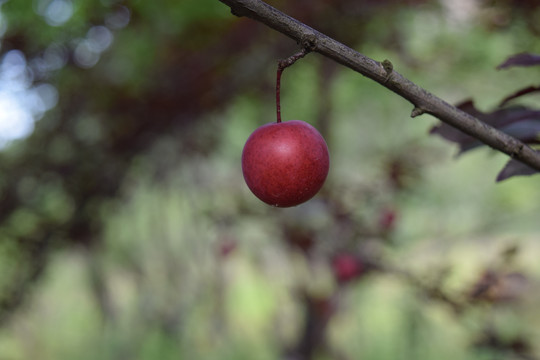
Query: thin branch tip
point(236, 13)
point(236, 9)
point(417, 112)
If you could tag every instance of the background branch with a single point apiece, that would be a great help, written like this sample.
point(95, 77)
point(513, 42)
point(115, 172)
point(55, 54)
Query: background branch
point(384, 74)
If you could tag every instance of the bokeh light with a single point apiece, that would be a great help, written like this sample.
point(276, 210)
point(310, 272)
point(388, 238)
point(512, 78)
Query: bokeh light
point(55, 12)
point(21, 103)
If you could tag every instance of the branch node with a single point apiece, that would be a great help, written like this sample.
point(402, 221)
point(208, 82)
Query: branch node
point(237, 11)
point(516, 152)
point(388, 68)
point(309, 42)
point(417, 112)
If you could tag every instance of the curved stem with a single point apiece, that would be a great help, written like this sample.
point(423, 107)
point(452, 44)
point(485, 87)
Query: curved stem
point(278, 87)
point(282, 64)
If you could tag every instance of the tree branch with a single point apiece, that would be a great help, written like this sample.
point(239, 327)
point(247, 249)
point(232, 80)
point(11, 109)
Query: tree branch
point(384, 74)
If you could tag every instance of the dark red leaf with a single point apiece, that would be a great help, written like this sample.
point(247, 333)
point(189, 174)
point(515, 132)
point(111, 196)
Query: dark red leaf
point(452, 134)
point(520, 122)
point(523, 59)
point(515, 168)
point(519, 93)
point(526, 130)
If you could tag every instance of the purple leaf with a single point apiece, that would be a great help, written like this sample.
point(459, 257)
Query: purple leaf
point(526, 130)
point(515, 168)
point(452, 134)
point(520, 122)
point(523, 59)
point(519, 93)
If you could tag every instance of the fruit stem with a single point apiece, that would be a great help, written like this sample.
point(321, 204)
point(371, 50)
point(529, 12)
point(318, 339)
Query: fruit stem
point(278, 87)
point(282, 64)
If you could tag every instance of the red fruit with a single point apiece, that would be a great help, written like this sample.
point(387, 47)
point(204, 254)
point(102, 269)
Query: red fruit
point(285, 163)
point(346, 267)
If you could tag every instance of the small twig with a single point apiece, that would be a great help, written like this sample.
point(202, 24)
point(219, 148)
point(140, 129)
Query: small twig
point(433, 291)
point(417, 112)
point(282, 65)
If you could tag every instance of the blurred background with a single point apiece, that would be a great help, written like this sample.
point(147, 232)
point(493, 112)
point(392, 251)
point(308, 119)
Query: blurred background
point(126, 229)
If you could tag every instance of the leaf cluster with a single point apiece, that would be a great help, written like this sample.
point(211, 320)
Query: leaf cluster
point(521, 122)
